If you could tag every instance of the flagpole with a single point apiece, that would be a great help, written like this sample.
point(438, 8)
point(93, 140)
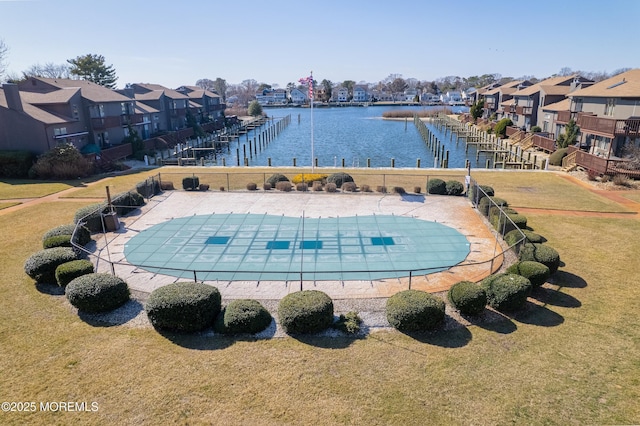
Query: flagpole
point(313, 163)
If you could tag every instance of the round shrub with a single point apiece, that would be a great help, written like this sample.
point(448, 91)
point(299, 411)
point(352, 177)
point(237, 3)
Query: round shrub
point(468, 298)
point(97, 292)
point(330, 187)
point(503, 225)
point(541, 253)
point(349, 187)
point(283, 186)
point(69, 271)
point(82, 236)
point(500, 129)
point(535, 272)
point(317, 185)
point(453, 187)
point(506, 292)
point(243, 316)
point(183, 306)
point(555, 159)
point(252, 186)
point(57, 241)
point(275, 178)
point(480, 193)
point(514, 236)
point(308, 311)
point(414, 310)
point(302, 186)
point(91, 216)
point(486, 203)
point(266, 186)
point(41, 266)
point(339, 179)
point(190, 183)
point(398, 190)
point(436, 186)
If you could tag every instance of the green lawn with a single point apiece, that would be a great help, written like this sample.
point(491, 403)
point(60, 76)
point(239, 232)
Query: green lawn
point(572, 358)
point(18, 188)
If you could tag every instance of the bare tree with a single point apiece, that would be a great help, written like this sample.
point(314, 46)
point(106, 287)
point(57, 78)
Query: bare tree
point(4, 52)
point(206, 84)
point(48, 70)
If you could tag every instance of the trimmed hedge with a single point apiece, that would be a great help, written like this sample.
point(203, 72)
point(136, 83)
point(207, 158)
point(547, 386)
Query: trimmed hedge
point(467, 297)
point(487, 190)
point(275, 178)
point(126, 202)
point(541, 253)
point(514, 236)
point(453, 187)
point(69, 271)
point(96, 292)
point(339, 178)
point(414, 310)
point(485, 204)
point(504, 226)
point(183, 306)
point(243, 316)
point(41, 266)
point(16, 164)
point(91, 215)
point(436, 186)
point(82, 237)
point(506, 292)
point(535, 272)
point(148, 187)
point(307, 311)
point(57, 241)
point(555, 159)
point(190, 183)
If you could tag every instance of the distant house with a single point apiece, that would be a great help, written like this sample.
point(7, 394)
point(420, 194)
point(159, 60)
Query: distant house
point(452, 98)
point(297, 97)
point(360, 94)
point(271, 97)
point(380, 96)
point(430, 99)
point(340, 94)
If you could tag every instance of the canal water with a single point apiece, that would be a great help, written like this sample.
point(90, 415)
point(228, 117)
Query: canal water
point(355, 134)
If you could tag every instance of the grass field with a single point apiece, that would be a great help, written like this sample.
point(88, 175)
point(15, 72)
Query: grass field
point(571, 358)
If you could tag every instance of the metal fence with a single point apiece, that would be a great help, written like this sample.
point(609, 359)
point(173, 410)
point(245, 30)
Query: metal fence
point(474, 192)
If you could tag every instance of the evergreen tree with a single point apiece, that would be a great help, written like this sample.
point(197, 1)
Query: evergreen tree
point(570, 135)
point(93, 68)
point(255, 109)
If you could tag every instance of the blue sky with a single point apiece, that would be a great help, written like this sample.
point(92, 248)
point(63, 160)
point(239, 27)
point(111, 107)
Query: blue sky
point(277, 41)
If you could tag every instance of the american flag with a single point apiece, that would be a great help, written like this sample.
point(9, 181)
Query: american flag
point(308, 81)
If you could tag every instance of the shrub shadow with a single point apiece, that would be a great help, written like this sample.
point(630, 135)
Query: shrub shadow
point(491, 320)
point(567, 279)
point(50, 289)
point(201, 341)
point(554, 297)
point(119, 316)
point(329, 339)
point(412, 198)
point(445, 338)
point(538, 315)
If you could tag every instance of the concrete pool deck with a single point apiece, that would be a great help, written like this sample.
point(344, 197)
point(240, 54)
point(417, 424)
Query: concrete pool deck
point(455, 212)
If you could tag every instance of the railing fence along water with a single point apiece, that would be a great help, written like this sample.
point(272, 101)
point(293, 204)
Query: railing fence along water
point(101, 253)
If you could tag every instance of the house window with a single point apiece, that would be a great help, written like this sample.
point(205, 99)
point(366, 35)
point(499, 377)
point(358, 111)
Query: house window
point(74, 111)
point(545, 126)
point(577, 106)
point(609, 107)
point(60, 131)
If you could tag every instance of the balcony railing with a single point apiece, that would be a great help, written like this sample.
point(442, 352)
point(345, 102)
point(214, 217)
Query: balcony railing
point(490, 105)
point(105, 122)
point(544, 143)
point(524, 110)
point(563, 117)
point(131, 119)
point(177, 112)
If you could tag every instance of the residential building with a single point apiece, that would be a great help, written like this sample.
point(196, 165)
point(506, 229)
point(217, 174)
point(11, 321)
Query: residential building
point(494, 97)
point(339, 94)
point(54, 118)
point(608, 114)
point(205, 105)
point(360, 94)
point(297, 97)
point(170, 104)
point(526, 104)
point(271, 97)
point(107, 115)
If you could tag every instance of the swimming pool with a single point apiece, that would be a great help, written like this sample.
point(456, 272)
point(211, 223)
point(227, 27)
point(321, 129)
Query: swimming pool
point(255, 247)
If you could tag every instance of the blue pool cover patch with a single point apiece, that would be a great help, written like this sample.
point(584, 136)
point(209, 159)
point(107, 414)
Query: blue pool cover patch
point(243, 247)
point(278, 245)
point(217, 240)
point(382, 241)
point(311, 245)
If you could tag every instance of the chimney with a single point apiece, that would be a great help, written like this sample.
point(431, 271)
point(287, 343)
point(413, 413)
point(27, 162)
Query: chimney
point(12, 94)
